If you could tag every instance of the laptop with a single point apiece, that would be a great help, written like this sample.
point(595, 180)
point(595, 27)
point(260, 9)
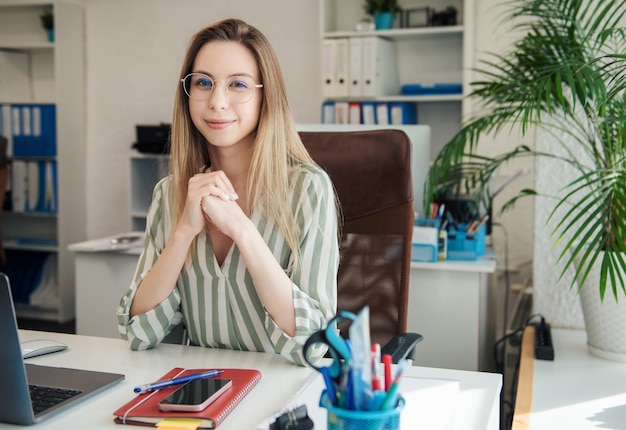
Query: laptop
point(57, 388)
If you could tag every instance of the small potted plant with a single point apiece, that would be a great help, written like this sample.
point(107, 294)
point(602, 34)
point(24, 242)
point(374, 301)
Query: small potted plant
point(383, 11)
point(47, 22)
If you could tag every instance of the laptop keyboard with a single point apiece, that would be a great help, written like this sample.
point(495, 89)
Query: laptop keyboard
point(43, 398)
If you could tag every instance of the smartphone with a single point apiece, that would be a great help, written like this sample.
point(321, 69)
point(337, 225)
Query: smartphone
point(195, 395)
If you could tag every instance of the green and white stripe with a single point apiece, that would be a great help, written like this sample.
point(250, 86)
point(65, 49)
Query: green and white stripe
point(219, 305)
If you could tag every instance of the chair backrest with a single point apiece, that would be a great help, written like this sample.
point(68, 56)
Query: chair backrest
point(371, 172)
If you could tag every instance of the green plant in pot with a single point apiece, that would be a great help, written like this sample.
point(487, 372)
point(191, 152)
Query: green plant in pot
point(383, 12)
point(566, 77)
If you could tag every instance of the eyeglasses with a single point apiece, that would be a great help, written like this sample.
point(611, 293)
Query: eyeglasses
point(239, 89)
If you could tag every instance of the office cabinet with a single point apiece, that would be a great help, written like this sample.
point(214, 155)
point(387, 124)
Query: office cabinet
point(36, 75)
point(421, 55)
point(145, 171)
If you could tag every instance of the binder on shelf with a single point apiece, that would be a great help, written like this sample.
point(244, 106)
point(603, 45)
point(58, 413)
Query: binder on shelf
point(18, 185)
point(368, 112)
point(354, 115)
point(16, 130)
point(329, 54)
point(382, 113)
point(50, 195)
point(342, 67)
point(379, 70)
point(356, 67)
point(34, 184)
point(34, 129)
point(328, 112)
point(5, 127)
point(402, 113)
point(44, 129)
point(342, 115)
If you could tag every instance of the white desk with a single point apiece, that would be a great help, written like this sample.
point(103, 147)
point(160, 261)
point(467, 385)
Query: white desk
point(450, 305)
point(102, 277)
point(575, 391)
point(477, 407)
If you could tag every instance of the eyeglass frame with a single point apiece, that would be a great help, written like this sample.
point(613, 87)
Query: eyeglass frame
point(214, 81)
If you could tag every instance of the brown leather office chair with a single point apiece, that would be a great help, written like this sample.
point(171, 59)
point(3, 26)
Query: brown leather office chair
point(371, 172)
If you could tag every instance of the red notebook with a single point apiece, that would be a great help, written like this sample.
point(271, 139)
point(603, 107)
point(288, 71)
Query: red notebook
point(144, 408)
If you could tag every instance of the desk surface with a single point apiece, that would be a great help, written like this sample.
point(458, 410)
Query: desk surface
point(484, 264)
point(575, 391)
point(477, 408)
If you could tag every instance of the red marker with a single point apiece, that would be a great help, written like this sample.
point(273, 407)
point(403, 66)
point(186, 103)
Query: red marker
point(387, 369)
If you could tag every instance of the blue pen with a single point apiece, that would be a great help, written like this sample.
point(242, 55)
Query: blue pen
point(176, 381)
point(330, 385)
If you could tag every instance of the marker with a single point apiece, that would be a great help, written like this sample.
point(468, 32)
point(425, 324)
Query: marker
point(387, 370)
point(176, 381)
point(482, 221)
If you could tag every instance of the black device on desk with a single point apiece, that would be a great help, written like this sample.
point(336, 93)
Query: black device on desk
point(153, 139)
point(195, 395)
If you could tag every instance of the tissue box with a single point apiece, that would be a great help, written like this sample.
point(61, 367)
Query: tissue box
point(425, 244)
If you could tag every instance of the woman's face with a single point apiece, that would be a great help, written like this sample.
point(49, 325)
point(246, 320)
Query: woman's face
point(222, 122)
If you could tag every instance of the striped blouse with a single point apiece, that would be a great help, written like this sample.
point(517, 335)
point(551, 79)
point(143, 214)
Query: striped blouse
point(219, 304)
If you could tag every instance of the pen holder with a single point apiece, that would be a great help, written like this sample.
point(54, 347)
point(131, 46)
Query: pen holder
point(345, 419)
point(466, 246)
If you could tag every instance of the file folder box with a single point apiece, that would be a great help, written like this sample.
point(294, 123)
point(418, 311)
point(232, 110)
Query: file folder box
point(432, 89)
point(466, 246)
point(425, 244)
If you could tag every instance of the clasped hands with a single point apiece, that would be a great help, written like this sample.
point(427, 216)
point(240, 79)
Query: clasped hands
point(211, 197)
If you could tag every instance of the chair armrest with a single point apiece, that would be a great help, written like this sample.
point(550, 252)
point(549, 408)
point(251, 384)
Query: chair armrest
point(402, 346)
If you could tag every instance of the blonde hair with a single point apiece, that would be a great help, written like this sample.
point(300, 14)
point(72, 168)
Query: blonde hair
point(277, 143)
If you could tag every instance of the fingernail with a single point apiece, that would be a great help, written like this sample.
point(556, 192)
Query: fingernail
point(234, 196)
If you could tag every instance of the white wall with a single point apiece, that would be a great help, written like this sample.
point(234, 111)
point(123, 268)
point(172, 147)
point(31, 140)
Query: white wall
point(134, 53)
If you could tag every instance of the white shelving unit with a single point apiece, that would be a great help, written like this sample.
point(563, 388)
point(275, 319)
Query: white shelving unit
point(425, 55)
point(145, 171)
point(55, 75)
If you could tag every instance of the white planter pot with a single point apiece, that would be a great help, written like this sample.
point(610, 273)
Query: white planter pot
point(605, 321)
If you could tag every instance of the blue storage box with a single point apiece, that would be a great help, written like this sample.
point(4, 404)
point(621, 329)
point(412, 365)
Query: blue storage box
point(466, 246)
point(425, 246)
point(432, 89)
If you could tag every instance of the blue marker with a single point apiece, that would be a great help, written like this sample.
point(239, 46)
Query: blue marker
point(176, 381)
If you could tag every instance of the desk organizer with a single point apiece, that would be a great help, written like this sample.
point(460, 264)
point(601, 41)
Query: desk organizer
point(345, 419)
point(466, 246)
point(425, 244)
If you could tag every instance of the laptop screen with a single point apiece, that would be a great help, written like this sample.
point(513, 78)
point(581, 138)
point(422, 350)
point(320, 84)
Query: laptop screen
point(15, 400)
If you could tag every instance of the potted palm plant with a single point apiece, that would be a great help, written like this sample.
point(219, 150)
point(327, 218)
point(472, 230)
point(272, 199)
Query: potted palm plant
point(566, 77)
point(383, 12)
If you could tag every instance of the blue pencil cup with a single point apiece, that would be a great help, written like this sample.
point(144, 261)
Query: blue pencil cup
point(345, 419)
point(466, 246)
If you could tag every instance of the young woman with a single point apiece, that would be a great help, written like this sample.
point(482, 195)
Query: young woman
point(241, 238)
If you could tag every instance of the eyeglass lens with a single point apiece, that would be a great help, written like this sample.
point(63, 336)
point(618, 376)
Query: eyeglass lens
point(239, 89)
